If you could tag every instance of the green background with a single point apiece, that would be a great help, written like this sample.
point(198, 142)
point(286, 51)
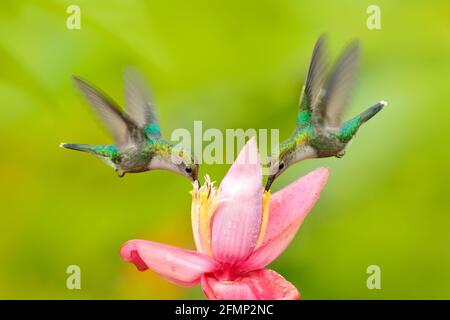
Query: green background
point(231, 64)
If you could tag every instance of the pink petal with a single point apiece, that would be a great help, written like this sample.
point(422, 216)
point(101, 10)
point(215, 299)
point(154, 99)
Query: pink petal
point(288, 209)
point(256, 285)
point(179, 266)
point(237, 219)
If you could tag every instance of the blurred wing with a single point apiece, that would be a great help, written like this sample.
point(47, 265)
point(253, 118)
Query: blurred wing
point(338, 87)
point(314, 79)
point(123, 129)
point(139, 104)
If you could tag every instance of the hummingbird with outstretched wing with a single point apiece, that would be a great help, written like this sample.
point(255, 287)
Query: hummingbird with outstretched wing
point(320, 131)
point(139, 145)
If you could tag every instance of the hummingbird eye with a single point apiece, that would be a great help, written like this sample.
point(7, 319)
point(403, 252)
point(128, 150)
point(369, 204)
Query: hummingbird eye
point(281, 166)
point(188, 170)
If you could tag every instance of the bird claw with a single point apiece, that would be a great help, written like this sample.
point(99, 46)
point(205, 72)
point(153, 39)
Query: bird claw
point(120, 173)
point(340, 154)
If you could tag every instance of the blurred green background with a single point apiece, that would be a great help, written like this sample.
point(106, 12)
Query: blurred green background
point(232, 64)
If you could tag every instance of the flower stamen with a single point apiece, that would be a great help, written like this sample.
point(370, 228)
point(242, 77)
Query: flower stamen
point(204, 204)
point(264, 219)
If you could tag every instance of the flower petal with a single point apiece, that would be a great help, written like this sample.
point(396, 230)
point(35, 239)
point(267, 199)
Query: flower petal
point(288, 209)
point(177, 265)
point(256, 285)
point(237, 219)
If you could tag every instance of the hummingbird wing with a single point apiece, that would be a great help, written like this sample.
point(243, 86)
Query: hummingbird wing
point(338, 87)
point(139, 104)
point(123, 129)
point(314, 80)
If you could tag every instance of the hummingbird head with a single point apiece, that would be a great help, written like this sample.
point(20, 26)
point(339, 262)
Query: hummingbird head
point(291, 151)
point(184, 163)
point(189, 166)
point(190, 170)
point(278, 163)
point(177, 159)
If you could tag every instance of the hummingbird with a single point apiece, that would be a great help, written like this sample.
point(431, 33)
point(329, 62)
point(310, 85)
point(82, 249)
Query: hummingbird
point(319, 130)
point(139, 145)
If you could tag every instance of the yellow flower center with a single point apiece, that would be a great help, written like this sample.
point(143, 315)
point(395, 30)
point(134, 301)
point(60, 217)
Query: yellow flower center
point(204, 203)
point(264, 219)
point(205, 200)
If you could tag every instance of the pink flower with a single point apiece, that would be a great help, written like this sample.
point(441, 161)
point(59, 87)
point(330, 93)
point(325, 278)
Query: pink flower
point(238, 230)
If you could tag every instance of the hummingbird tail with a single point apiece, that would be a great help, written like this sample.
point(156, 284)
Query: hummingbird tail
point(373, 110)
point(349, 128)
point(105, 151)
point(78, 147)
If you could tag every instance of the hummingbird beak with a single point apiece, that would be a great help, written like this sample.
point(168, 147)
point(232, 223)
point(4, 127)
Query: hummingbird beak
point(269, 182)
point(194, 177)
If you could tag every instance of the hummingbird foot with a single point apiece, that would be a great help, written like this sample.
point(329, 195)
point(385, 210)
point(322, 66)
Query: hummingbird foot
point(340, 154)
point(120, 173)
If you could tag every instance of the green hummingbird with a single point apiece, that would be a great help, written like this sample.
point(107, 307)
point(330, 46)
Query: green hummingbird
point(139, 145)
point(320, 132)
